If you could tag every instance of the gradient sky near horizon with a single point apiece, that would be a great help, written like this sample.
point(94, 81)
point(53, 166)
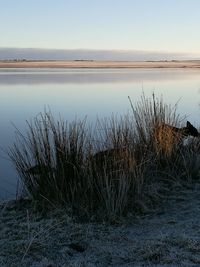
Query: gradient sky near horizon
point(155, 25)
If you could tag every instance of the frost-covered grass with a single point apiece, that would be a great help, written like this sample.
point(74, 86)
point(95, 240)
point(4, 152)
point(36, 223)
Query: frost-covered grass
point(166, 237)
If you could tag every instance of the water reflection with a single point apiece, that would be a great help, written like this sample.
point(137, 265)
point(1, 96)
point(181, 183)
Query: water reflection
point(78, 92)
point(59, 76)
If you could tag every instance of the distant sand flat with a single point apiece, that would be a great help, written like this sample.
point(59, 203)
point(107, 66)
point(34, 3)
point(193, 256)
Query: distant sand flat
point(100, 64)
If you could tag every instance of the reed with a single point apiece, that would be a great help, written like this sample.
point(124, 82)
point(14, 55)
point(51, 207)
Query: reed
point(50, 159)
point(153, 135)
point(117, 173)
point(109, 169)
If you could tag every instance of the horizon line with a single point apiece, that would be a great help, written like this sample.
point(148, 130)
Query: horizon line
point(103, 49)
point(93, 54)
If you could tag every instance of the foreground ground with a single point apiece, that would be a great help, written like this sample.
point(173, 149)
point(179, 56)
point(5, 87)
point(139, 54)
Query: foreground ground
point(169, 236)
point(100, 64)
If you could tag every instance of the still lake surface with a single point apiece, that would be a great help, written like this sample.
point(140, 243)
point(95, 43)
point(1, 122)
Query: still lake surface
point(75, 93)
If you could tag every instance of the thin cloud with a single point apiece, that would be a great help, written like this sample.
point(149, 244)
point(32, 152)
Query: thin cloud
point(90, 54)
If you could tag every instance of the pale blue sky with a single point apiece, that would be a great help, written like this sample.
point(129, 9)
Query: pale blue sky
point(157, 25)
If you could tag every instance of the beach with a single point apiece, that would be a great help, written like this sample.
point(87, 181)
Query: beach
point(98, 64)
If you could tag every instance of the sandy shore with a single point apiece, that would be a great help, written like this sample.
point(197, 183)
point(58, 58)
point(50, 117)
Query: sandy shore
point(100, 64)
point(167, 237)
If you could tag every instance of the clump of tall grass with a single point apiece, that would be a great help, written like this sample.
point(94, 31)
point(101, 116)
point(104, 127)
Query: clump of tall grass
point(50, 159)
point(108, 169)
point(118, 175)
point(151, 117)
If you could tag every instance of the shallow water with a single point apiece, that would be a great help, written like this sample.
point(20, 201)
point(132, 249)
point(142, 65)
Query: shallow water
point(75, 93)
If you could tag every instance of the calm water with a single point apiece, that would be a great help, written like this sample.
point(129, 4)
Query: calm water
point(76, 93)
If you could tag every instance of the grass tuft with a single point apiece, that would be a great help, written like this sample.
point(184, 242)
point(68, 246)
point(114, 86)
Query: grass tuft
point(122, 164)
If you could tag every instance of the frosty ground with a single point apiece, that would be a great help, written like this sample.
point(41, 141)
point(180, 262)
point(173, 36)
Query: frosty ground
point(167, 236)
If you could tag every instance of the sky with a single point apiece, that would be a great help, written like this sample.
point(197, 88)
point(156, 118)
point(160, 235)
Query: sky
point(168, 26)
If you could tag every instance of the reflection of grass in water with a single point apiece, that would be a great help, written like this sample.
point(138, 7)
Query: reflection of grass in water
point(131, 161)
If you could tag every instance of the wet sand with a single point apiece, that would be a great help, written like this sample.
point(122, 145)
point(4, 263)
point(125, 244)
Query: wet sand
point(100, 64)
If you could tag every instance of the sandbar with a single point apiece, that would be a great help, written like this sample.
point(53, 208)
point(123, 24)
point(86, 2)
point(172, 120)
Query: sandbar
point(98, 64)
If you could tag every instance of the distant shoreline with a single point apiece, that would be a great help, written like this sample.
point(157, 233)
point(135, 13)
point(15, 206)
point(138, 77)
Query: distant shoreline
point(98, 64)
